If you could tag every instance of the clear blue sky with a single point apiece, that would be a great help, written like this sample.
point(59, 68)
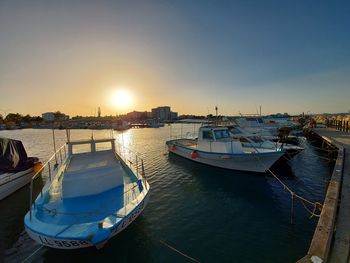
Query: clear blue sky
point(288, 56)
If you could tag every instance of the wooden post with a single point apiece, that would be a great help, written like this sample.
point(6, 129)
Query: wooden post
point(347, 126)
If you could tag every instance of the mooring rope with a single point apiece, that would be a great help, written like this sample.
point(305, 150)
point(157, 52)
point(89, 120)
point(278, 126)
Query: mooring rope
point(293, 194)
point(36, 251)
point(178, 251)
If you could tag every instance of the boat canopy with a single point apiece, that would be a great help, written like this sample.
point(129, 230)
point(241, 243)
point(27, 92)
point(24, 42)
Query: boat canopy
point(13, 156)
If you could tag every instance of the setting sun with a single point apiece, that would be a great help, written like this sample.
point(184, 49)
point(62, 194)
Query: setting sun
point(121, 98)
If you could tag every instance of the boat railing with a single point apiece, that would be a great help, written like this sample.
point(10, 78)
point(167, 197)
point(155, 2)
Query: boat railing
point(48, 169)
point(133, 161)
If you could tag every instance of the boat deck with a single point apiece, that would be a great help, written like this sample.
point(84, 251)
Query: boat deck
point(90, 173)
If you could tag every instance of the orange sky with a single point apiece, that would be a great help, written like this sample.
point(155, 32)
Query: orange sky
point(69, 56)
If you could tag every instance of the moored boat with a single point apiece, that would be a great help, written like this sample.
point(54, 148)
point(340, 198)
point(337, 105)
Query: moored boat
point(16, 168)
point(93, 196)
point(215, 147)
point(120, 125)
point(255, 140)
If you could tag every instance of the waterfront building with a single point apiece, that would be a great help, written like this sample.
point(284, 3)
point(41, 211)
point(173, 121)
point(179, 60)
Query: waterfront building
point(173, 115)
point(48, 116)
point(137, 115)
point(163, 113)
point(54, 116)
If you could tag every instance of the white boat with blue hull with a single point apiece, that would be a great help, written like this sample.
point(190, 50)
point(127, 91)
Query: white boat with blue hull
point(215, 147)
point(92, 197)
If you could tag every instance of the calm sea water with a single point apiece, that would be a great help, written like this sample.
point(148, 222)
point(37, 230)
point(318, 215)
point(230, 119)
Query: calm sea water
point(210, 214)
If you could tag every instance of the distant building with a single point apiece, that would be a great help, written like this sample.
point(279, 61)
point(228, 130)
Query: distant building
point(163, 113)
point(173, 115)
point(48, 116)
point(137, 115)
point(54, 116)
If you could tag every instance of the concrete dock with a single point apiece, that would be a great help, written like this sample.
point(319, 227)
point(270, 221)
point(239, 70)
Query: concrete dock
point(331, 240)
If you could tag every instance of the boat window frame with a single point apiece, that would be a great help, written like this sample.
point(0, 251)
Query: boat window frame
point(209, 132)
point(223, 134)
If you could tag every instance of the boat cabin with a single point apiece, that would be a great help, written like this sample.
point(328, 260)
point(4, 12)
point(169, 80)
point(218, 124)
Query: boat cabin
point(92, 171)
point(217, 139)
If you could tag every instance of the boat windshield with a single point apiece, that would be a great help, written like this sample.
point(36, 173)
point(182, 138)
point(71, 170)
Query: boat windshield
point(221, 134)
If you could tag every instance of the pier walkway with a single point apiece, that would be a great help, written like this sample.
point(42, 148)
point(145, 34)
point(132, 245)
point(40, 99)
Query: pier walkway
point(331, 240)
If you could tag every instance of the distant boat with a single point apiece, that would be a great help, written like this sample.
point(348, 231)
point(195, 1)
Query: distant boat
point(215, 147)
point(92, 197)
point(154, 124)
point(16, 168)
point(255, 140)
point(120, 125)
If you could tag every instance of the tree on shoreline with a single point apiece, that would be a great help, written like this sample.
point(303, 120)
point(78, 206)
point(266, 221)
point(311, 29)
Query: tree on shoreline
point(18, 118)
point(13, 117)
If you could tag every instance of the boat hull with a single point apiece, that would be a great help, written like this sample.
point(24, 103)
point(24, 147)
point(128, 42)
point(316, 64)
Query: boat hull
point(11, 182)
point(259, 163)
point(71, 243)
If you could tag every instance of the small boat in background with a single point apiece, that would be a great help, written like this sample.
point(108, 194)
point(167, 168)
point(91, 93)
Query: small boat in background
point(216, 147)
point(16, 168)
point(255, 140)
point(120, 125)
point(93, 195)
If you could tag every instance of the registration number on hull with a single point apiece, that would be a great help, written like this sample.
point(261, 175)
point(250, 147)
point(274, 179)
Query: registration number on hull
point(59, 243)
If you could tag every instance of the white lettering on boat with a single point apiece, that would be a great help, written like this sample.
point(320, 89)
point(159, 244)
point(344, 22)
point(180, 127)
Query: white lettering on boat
point(60, 243)
point(131, 217)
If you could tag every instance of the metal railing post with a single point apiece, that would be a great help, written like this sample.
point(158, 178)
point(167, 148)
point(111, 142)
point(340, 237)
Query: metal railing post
point(137, 167)
point(60, 155)
point(143, 174)
point(49, 171)
point(30, 198)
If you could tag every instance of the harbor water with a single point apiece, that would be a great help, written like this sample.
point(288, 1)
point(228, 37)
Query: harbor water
point(209, 214)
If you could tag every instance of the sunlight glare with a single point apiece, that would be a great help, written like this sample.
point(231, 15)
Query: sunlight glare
point(121, 98)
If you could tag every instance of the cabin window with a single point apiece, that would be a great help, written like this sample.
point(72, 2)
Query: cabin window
point(102, 146)
point(207, 135)
point(81, 148)
point(235, 131)
point(221, 134)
